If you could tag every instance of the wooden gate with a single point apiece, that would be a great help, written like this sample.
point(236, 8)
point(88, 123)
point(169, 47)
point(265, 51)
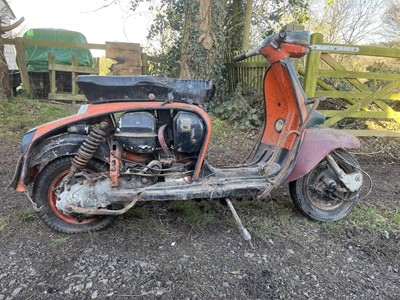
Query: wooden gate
point(360, 100)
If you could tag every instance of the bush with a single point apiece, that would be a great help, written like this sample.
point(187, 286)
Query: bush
point(242, 111)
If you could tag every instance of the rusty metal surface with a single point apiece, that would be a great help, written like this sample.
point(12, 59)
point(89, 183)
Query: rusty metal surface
point(317, 143)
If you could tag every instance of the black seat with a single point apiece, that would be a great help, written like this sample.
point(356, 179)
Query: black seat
point(102, 89)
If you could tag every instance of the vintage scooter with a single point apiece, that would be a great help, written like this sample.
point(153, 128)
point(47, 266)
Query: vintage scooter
point(145, 138)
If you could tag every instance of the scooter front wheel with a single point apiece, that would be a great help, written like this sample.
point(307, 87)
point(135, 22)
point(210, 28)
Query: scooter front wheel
point(314, 194)
point(45, 198)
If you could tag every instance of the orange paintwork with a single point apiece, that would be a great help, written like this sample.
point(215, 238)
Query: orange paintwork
point(115, 163)
point(280, 103)
point(287, 50)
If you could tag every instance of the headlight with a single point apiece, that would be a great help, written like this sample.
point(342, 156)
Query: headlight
point(26, 140)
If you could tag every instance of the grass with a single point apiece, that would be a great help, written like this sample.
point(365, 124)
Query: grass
point(20, 114)
point(3, 224)
point(196, 215)
point(141, 219)
point(26, 215)
point(374, 218)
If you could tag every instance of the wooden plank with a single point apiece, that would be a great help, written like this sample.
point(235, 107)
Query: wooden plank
point(145, 64)
point(376, 95)
point(327, 87)
point(355, 82)
point(344, 94)
point(74, 87)
point(352, 74)
point(364, 50)
point(373, 133)
point(52, 73)
point(56, 44)
point(67, 97)
point(71, 68)
point(23, 67)
point(311, 72)
point(128, 57)
point(364, 114)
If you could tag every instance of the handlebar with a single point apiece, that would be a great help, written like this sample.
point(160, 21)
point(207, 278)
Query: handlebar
point(243, 56)
point(275, 41)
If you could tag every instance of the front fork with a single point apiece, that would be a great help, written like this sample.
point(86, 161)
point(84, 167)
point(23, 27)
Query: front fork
point(352, 181)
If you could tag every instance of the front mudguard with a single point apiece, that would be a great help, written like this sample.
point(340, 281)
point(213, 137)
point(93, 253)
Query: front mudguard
point(317, 143)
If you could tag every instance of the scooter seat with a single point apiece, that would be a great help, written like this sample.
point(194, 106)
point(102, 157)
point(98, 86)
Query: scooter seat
point(103, 89)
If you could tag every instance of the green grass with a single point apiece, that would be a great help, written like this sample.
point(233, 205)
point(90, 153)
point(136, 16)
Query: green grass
point(196, 215)
point(3, 224)
point(26, 215)
point(140, 219)
point(374, 218)
point(19, 115)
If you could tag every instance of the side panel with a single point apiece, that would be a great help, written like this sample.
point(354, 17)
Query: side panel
point(317, 143)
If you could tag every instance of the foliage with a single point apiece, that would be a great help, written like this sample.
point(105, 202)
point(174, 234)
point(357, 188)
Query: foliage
point(243, 111)
point(105, 65)
point(19, 115)
point(165, 37)
point(381, 67)
point(279, 14)
point(3, 224)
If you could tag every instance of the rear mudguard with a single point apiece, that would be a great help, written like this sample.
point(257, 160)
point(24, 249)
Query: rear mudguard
point(64, 145)
point(317, 143)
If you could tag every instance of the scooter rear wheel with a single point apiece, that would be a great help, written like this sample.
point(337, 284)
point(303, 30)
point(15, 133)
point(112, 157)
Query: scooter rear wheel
point(45, 197)
point(313, 195)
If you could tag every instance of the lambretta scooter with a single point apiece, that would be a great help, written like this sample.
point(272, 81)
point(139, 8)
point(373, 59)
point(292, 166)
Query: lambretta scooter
point(145, 138)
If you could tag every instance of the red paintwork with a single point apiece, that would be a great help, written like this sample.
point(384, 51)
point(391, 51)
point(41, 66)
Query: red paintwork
point(281, 103)
point(317, 143)
point(286, 50)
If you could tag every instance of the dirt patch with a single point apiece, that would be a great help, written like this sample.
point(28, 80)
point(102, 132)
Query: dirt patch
point(157, 252)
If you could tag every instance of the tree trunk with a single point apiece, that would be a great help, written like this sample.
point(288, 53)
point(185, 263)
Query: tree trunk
point(236, 28)
point(5, 86)
point(203, 40)
point(247, 23)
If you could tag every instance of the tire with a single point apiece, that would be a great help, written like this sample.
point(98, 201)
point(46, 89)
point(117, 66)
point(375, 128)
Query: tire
point(324, 204)
point(48, 179)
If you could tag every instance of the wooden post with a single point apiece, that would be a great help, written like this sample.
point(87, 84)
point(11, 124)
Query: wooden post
point(23, 68)
point(145, 64)
point(291, 27)
point(74, 88)
point(312, 66)
point(52, 72)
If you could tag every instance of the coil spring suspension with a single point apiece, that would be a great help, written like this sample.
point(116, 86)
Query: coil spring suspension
point(89, 147)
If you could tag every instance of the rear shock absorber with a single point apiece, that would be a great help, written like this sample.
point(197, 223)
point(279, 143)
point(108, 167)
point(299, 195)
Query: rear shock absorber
point(89, 146)
point(87, 149)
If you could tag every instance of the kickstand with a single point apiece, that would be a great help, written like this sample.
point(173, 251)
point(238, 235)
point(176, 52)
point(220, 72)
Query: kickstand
point(243, 231)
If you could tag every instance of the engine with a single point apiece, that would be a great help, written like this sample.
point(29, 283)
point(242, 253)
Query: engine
point(145, 132)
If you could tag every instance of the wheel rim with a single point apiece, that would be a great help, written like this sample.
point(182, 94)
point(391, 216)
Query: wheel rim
point(318, 191)
point(52, 203)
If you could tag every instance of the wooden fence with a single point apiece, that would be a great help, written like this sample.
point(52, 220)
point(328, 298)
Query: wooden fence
point(360, 100)
point(127, 56)
point(324, 62)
